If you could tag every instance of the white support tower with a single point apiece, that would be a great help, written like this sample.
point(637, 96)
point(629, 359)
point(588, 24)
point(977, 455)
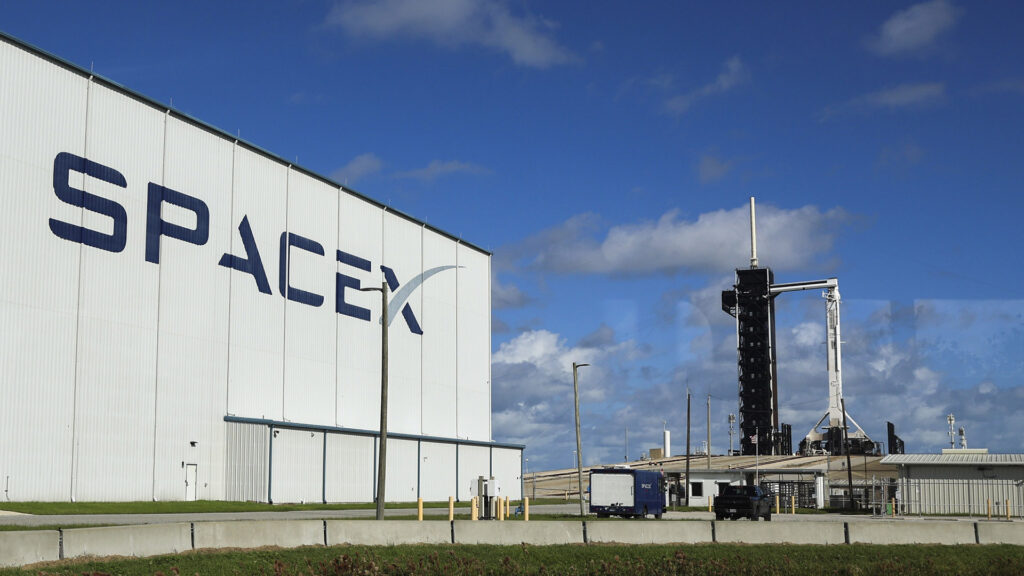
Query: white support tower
point(833, 417)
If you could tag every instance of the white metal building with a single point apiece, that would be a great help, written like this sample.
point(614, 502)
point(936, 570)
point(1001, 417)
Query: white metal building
point(180, 315)
point(960, 482)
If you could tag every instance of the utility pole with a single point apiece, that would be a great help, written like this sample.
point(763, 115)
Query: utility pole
point(686, 485)
point(383, 449)
point(709, 432)
point(846, 446)
point(625, 457)
point(579, 448)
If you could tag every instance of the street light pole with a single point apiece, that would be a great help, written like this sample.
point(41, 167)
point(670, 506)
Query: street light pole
point(383, 450)
point(579, 447)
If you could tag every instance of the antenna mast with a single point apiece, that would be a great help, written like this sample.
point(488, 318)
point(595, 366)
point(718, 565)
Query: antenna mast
point(753, 236)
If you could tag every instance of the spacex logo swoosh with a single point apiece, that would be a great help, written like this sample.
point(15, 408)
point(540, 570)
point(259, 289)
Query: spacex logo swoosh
point(401, 295)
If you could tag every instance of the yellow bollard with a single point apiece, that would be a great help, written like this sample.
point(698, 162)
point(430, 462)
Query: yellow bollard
point(506, 506)
point(988, 503)
point(893, 503)
point(777, 504)
point(501, 513)
point(526, 509)
point(419, 509)
point(711, 503)
point(1007, 504)
point(474, 514)
point(792, 504)
point(451, 508)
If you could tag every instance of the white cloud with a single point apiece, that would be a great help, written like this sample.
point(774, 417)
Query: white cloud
point(454, 23)
point(358, 168)
point(712, 168)
point(713, 242)
point(438, 168)
point(905, 95)
point(902, 96)
point(914, 29)
point(506, 295)
point(732, 75)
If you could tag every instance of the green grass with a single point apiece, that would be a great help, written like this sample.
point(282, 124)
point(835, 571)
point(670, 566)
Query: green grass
point(709, 559)
point(16, 528)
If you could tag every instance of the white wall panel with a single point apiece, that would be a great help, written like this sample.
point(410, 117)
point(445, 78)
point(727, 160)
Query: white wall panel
point(508, 469)
point(474, 461)
point(474, 345)
point(401, 472)
point(403, 254)
point(311, 331)
point(437, 472)
point(296, 466)
point(42, 113)
point(359, 233)
point(350, 468)
point(118, 309)
point(247, 462)
point(438, 321)
point(192, 359)
point(256, 361)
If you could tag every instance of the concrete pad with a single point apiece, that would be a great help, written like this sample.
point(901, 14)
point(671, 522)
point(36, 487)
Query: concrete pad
point(517, 532)
point(29, 547)
point(779, 532)
point(257, 533)
point(911, 532)
point(645, 532)
point(1001, 533)
point(388, 533)
point(141, 540)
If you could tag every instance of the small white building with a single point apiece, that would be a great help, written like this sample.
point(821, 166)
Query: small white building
point(965, 481)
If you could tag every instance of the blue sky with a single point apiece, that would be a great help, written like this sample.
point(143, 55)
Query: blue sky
point(604, 153)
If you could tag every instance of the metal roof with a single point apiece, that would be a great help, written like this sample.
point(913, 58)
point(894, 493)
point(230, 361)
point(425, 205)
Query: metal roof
point(956, 459)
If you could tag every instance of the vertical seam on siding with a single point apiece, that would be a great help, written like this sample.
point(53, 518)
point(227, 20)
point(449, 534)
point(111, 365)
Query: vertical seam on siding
point(287, 283)
point(78, 319)
point(156, 358)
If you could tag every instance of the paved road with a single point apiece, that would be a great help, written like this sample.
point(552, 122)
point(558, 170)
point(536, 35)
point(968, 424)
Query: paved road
point(78, 519)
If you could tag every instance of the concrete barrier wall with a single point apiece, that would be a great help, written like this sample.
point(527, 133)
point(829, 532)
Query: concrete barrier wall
point(137, 540)
point(539, 533)
point(779, 532)
point(639, 532)
point(29, 547)
point(256, 533)
point(1008, 533)
point(373, 533)
point(911, 532)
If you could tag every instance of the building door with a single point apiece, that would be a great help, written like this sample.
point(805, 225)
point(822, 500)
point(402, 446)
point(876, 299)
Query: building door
point(190, 482)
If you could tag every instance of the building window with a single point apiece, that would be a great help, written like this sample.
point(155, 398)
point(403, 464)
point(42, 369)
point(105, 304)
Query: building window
point(697, 489)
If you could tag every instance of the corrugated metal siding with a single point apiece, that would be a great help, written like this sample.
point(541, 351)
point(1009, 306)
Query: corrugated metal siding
point(350, 468)
point(474, 461)
point(437, 472)
point(118, 310)
point(360, 228)
point(297, 466)
point(401, 472)
point(246, 462)
point(311, 331)
point(474, 345)
point(403, 254)
point(508, 469)
point(192, 361)
point(438, 321)
point(42, 113)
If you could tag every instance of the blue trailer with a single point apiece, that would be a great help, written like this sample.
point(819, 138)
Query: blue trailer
point(626, 492)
